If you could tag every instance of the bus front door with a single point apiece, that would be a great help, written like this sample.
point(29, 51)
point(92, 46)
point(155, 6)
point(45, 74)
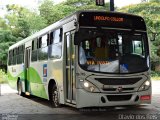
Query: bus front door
point(27, 65)
point(70, 70)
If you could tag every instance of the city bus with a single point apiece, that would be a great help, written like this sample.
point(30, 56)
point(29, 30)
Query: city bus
point(88, 59)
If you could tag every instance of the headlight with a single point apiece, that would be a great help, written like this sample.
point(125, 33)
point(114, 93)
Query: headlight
point(145, 85)
point(88, 86)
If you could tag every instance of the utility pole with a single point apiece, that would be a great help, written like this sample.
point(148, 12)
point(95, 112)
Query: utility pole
point(111, 5)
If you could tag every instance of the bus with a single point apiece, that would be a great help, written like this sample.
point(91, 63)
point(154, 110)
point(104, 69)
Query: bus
point(90, 58)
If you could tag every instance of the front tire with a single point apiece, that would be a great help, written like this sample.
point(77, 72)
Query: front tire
point(54, 97)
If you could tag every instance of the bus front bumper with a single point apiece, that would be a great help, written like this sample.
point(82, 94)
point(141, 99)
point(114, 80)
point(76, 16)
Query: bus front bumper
point(87, 99)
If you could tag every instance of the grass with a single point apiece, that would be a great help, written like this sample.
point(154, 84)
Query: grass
point(3, 77)
point(155, 75)
point(155, 78)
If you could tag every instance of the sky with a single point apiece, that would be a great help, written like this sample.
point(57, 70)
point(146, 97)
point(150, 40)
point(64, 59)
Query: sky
point(33, 3)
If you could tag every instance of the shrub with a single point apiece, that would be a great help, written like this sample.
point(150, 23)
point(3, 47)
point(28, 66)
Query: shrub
point(3, 76)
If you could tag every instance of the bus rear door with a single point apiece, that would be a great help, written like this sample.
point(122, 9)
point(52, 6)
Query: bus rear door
point(27, 65)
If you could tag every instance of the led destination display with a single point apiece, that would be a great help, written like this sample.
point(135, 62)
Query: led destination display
point(113, 20)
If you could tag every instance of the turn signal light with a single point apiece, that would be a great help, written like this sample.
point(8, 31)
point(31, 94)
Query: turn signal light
point(145, 97)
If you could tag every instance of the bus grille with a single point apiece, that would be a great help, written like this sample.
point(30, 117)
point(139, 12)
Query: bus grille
point(118, 97)
point(115, 89)
point(118, 81)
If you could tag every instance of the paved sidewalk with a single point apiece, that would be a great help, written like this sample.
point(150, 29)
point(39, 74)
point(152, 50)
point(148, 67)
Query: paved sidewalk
point(6, 89)
point(156, 87)
point(156, 94)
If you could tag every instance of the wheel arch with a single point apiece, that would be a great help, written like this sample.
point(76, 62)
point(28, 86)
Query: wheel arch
point(18, 80)
point(50, 85)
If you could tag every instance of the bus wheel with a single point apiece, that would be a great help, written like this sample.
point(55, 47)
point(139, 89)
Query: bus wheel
point(19, 86)
point(54, 97)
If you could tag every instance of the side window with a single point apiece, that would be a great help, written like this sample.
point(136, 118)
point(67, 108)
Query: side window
point(10, 57)
point(44, 40)
point(20, 54)
point(34, 50)
point(137, 45)
point(56, 36)
point(55, 47)
point(14, 56)
point(43, 47)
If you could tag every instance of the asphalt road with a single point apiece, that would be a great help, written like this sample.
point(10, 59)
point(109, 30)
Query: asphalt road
point(14, 107)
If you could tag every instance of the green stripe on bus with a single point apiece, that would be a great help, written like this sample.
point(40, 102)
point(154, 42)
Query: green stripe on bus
point(36, 85)
point(35, 81)
point(13, 80)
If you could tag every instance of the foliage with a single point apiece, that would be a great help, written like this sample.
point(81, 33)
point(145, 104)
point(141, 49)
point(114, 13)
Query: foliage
point(5, 41)
point(155, 75)
point(150, 11)
point(155, 1)
point(53, 13)
point(3, 77)
point(23, 22)
point(17, 24)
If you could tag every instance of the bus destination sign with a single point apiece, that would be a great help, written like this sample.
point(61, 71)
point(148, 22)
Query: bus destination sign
point(107, 18)
point(113, 20)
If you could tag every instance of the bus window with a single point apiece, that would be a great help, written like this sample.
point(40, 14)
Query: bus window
point(43, 48)
point(22, 49)
point(114, 51)
point(20, 54)
point(34, 50)
point(44, 41)
point(10, 57)
point(138, 47)
point(55, 47)
point(14, 56)
point(56, 36)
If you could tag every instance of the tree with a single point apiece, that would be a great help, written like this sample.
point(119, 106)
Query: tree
point(53, 13)
point(5, 41)
point(23, 22)
point(3, 24)
point(18, 23)
point(154, 1)
point(150, 12)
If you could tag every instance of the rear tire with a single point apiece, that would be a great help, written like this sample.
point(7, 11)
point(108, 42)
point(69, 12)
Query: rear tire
point(54, 96)
point(19, 88)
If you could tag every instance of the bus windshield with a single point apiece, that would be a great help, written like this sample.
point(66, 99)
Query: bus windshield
point(113, 51)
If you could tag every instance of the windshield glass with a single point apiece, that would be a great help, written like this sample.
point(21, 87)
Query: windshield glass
point(113, 51)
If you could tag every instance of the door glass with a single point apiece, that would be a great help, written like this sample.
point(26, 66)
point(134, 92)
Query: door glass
point(70, 73)
point(68, 51)
point(68, 77)
point(73, 70)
